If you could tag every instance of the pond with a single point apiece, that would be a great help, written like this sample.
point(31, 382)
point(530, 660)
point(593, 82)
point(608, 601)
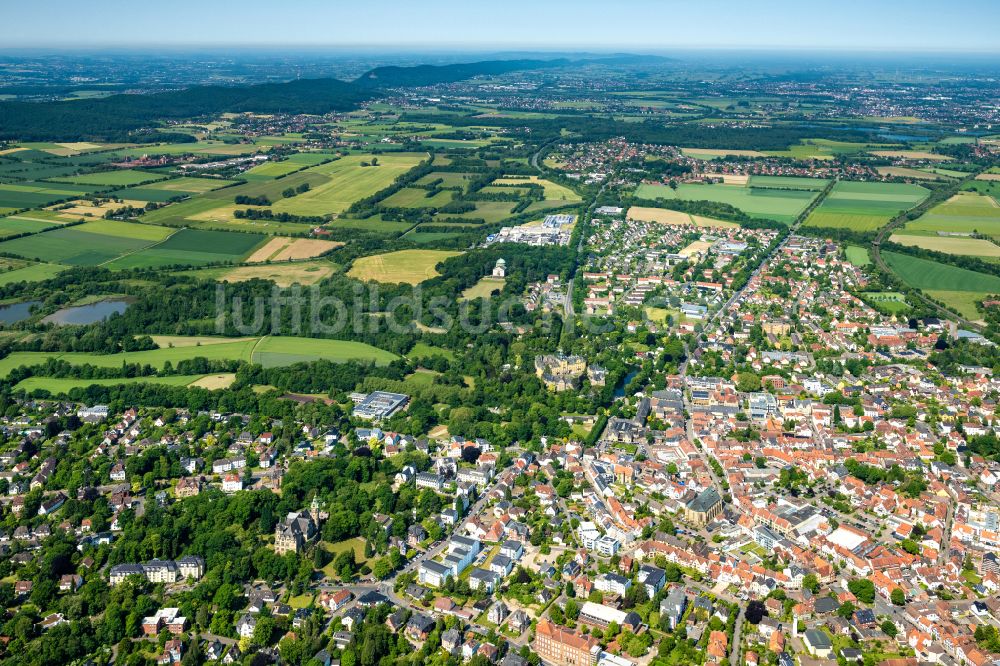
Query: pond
point(90, 313)
point(620, 388)
point(15, 312)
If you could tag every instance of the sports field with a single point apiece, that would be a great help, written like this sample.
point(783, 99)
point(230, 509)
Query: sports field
point(345, 181)
point(767, 203)
point(953, 285)
point(88, 244)
point(270, 351)
point(965, 212)
point(192, 247)
point(666, 216)
point(864, 206)
point(404, 266)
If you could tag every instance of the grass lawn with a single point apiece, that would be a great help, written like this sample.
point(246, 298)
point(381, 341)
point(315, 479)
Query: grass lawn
point(484, 288)
point(858, 255)
point(59, 385)
point(424, 350)
point(357, 544)
point(404, 266)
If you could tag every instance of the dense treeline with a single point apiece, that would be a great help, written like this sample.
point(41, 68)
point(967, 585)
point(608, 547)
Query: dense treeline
point(116, 118)
point(600, 129)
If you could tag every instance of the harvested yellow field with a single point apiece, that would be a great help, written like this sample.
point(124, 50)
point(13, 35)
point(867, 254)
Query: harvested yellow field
point(268, 250)
point(702, 221)
point(975, 247)
point(88, 209)
point(697, 247)
point(305, 248)
point(988, 176)
point(660, 215)
point(214, 382)
point(666, 216)
point(911, 155)
point(284, 275)
point(80, 145)
point(404, 266)
point(904, 172)
point(730, 178)
point(283, 248)
point(15, 149)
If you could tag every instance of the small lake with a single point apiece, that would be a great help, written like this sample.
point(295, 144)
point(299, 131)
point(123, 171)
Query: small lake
point(15, 312)
point(88, 314)
point(620, 389)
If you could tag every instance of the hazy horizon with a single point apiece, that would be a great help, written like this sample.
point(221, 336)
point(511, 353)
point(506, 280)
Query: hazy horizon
point(916, 26)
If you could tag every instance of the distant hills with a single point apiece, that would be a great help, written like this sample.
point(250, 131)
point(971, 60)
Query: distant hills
point(116, 118)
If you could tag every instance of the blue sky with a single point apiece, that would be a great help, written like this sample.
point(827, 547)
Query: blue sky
point(537, 24)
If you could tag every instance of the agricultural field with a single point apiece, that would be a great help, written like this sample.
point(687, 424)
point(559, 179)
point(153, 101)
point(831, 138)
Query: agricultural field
point(27, 272)
point(89, 244)
point(23, 224)
point(912, 155)
point(287, 249)
point(667, 216)
point(825, 149)
point(781, 205)
point(61, 385)
point(270, 351)
point(296, 162)
point(121, 178)
point(374, 224)
point(789, 182)
point(966, 212)
point(958, 287)
point(974, 247)
point(404, 266)
point(32, 194)
point(915, 174)
point(284, 275)
point(448, 178)
point(192, 247)
point(712, 153)
point(488, 211)
point(345, 181)
point(411, 197)
point(273, 351)
point(553, 191)
point(864, 206)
